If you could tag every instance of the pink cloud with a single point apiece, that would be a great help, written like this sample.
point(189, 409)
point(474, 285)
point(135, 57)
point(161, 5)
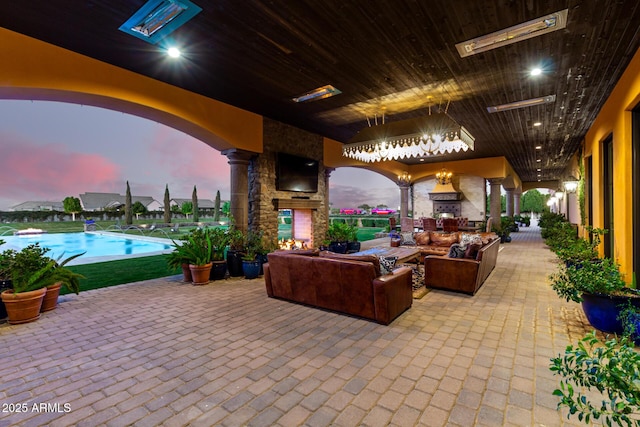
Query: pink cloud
point(50, 172)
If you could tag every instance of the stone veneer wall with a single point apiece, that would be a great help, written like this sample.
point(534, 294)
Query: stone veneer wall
point(279, 137)
point(473, 200)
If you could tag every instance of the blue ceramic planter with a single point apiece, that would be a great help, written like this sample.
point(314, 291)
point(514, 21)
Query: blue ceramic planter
point(602, 311)
point(251, 269)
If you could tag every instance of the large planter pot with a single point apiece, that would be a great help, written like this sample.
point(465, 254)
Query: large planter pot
point(353, 247)
point(602, 311)
point(186, 273)
point(234, 263)
point(50, 301)
point(218, 270)
point(338, 247)
point(251, 269)
point(4, 285)
point(200, 273)
point(23, 307)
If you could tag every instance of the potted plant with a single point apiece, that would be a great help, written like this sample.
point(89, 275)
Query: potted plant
point(219, 239)
point(352, 235)
point(178, 258)
point(338, 236)
point(611, 368)
point(57, 277)
point(252, 248)
point(600, 288)
point(198, 250)
point(26, 268)
point(5, 280)
point(235, 251)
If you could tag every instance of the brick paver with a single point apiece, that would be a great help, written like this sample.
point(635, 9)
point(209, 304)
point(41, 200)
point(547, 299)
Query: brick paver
point(162, 352)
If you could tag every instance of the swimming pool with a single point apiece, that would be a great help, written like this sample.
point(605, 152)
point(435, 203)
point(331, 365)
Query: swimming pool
point(99, 246)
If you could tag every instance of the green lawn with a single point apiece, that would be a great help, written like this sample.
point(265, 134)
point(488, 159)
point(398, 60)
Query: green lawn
point(111, 273)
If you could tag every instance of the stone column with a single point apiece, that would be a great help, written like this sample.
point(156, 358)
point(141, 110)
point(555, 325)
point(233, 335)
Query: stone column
point(327, 176)
point(404, 199)
point(239, 186)
point(510, 203)
point(516, 200)
point(494, 204)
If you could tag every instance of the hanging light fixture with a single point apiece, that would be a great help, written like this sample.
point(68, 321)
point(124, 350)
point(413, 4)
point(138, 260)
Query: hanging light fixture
point(443, 177)
point(433, 135)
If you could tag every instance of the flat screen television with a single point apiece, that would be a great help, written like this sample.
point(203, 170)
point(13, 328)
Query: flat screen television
point(294, 173)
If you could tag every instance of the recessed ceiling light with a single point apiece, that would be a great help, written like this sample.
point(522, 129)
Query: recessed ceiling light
point(536, 72)
point(537, 124)
point(526, 30)
point(539, 170)
point(538, 147)
point(174, 52)
point(538, 160)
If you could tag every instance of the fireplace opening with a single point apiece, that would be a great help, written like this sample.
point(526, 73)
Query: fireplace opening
point(300, 235)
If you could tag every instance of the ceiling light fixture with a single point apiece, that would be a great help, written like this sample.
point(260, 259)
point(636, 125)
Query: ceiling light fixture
point(319, 93)
point(432, 135)
point(173, 52)
point(158, 18)
point(536, 72)
point(516, 33)
point(538, 147)
point(536, 124)
point(522, 104)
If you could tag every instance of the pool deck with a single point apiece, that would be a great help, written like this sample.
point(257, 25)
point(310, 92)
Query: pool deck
point(162, 352)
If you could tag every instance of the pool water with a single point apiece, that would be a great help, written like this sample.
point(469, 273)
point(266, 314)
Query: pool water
point(95, 245)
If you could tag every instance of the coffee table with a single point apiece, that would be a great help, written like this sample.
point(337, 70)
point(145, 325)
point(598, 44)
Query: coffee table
point(403, 253)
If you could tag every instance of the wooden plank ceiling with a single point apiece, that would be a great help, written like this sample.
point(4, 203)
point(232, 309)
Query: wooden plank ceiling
point(395, 58)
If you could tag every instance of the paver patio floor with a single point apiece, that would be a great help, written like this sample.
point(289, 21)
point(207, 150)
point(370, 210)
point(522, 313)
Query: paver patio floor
point(161, 352)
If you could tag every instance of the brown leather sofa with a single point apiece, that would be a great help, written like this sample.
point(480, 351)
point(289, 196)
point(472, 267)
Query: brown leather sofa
point(346, 284)
point(460, 274)
point(438, 243)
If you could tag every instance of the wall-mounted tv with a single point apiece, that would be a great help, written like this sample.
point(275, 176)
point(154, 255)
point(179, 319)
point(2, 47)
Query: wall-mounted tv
point(294, 173)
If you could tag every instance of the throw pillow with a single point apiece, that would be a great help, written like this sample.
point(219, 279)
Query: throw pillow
point(387, 264)
point(472, 250)
point(407, 239)
point(422, 238)
point(456, 251)
point(467, 239)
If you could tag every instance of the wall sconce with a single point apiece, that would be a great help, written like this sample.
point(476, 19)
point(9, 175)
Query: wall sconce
point(571, 186)
point(404, 179)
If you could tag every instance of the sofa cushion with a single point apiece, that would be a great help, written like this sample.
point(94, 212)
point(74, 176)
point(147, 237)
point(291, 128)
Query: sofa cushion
point(387, 264)
point(365, 258)
point(441, 239)
point(472, 250)
point(468, 238)
point(422, 239)
point(407, 239)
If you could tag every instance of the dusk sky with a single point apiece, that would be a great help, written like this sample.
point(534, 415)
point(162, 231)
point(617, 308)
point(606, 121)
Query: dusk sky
point(53, 150)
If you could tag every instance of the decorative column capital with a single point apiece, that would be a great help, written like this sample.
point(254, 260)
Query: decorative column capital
point(237, 156)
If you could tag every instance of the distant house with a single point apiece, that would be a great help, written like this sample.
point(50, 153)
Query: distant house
point(101, 201)
point(203, 204)
point(38, 206)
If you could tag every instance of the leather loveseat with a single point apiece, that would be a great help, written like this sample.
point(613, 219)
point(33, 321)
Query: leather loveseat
point(439, 243)
point(461, 274)
point(342, 283)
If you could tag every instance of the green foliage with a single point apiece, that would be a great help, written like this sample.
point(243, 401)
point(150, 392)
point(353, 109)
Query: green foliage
point(532, 201)
point(139, 208)
point(128, 212)
point(599, 277)
point(167, 205)
point(187, 208)
point(216, 207)
point(612, 368)
point(72, 205)
point(194, 204)
point(339, 232)
point(581, 194)
point(226, 208)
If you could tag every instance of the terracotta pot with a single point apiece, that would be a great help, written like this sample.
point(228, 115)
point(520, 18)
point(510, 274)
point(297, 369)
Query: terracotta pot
point(186, 273)
point(23, 307)
point(50, 301)
point(200, 273)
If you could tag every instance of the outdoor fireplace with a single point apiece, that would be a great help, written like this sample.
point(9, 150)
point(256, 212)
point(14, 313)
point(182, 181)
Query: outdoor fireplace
point(301, 222)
